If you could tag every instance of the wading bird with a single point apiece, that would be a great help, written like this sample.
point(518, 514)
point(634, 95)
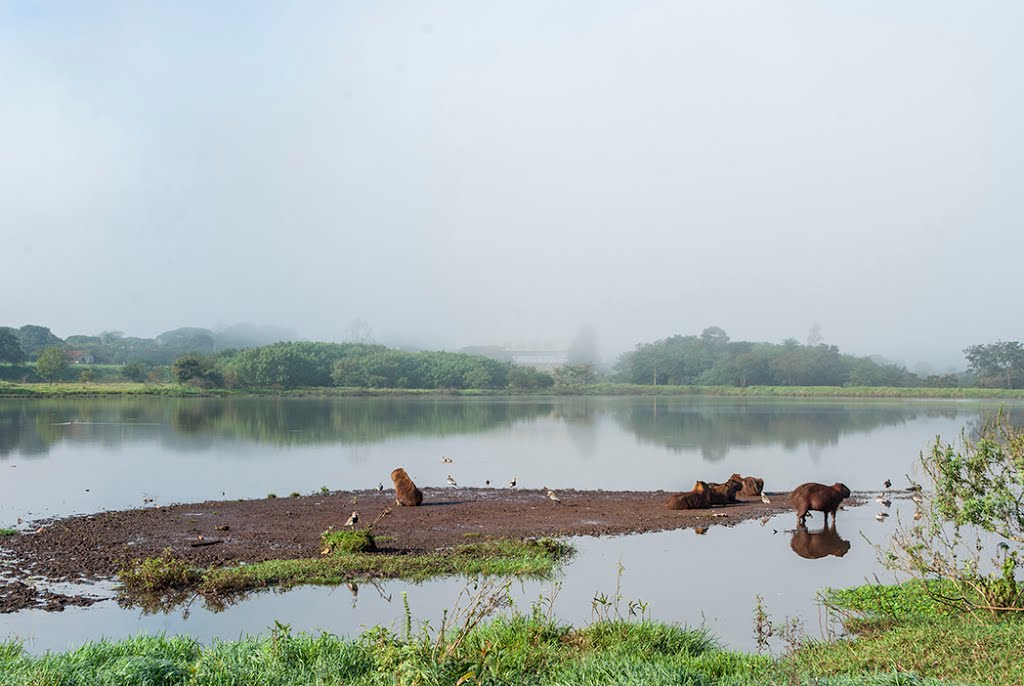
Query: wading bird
point(765, 499)
point(887, 483)
point(552, 495)
point(380, 486)
point(512, 483)
point(353, 520)
point(451, 481)
point(446, 460)
point(917, 498)
point(881, 516)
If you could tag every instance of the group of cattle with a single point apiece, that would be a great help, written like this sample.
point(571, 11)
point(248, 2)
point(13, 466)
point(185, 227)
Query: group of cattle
point(805, 497)
point(706, 494)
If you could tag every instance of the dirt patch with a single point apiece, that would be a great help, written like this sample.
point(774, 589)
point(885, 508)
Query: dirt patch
point(217, 533)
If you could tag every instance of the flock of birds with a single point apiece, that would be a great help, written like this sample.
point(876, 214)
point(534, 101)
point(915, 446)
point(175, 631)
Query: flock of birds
point(884, 500)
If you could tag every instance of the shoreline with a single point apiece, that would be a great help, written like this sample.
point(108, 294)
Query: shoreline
point(236, 534)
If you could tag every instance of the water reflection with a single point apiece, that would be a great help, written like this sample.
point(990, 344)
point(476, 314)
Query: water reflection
point(814, 545)
point(710, 426)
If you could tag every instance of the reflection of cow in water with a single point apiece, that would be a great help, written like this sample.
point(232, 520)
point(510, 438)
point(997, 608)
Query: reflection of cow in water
point(816, 544)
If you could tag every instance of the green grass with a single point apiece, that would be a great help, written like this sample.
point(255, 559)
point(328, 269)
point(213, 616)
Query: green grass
point(8, 532)
point(505, 650)
point(158, 582)
point(102, 388)
point(907, 628)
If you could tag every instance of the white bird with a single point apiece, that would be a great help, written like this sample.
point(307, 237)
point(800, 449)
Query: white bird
point(353, 520)
point(451, 481)
point(765, 499)
point(380, 486)
point(885, 502)
point(512, 483)
point(880, 497)
point(552, 495)
point(881, 516)
point(917, 498)
point(446, 460)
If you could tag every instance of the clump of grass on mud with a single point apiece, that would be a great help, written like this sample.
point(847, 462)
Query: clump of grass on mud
point(360, 541)
point(535, 558)
point(158, 574)
point(8, 532)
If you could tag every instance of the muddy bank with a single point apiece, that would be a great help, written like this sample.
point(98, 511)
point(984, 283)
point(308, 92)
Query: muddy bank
point(217, 533)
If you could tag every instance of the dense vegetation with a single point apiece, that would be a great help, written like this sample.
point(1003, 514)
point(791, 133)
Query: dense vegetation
point(247, 359)
point(712, 359)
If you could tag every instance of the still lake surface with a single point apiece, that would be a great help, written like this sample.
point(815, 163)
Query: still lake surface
point(62, 457)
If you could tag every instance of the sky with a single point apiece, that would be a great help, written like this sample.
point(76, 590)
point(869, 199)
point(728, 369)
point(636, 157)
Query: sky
point(449, 174)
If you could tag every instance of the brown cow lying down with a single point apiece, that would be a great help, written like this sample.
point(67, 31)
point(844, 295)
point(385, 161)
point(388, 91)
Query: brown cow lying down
point(690, 500)
point(752, 485)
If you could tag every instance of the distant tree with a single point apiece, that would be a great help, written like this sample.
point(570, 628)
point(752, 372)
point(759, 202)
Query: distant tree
point(51, 363)
point(35, 338)
point(197, 370)
point(583, 349)
point(10, 345)
point(136, 371)
point(814, 337)
point(87, 376)
point(188, 340)
point(1002, 362)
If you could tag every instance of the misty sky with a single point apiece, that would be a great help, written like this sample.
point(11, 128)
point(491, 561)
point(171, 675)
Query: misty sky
point(469, 173)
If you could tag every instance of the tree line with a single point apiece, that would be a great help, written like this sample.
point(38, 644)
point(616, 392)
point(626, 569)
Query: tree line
point(201, 357)
point(304, 364)
point(713, 359)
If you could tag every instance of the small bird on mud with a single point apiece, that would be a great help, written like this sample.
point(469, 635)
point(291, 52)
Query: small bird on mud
point(446, 460)
point(451, 481)
point(887, 483)
point(353, 520)
point(764, 520)
point(881, 516)
point(917, 498)
point(380, 486)
point(512, 483)
point(880, 497)
point(552, 495)
point(885, 502)
point(700, 530)
point(353, 588)
point(918, 515)
point(765, 499)
point(487, 483)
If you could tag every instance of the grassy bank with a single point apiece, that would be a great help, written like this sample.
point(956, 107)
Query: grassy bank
point(45, 390)
point(906, 640)
point(516, 650)
point(162, 581)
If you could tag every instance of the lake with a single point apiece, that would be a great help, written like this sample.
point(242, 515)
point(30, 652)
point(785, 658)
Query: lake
point(68, 456)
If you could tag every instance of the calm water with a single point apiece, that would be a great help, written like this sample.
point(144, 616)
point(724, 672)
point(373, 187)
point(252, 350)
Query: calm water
point(71, 456)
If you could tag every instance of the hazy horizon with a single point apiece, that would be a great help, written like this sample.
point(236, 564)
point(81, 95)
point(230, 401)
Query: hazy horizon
point(456, 174)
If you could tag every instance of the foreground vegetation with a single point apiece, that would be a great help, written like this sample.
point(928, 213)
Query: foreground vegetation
point(162, 582)
point(532, 648)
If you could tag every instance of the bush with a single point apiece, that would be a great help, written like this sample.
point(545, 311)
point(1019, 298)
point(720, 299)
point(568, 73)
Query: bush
point(158, 574)
point(359, 541)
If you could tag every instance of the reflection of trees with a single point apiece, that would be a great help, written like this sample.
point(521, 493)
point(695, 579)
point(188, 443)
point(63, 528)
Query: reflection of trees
point(30, 427)
point(712, 427)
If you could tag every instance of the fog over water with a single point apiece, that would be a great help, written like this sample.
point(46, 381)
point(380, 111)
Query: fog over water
point(459, 174)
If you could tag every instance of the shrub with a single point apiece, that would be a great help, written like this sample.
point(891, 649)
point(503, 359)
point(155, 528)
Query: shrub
point(359, 541)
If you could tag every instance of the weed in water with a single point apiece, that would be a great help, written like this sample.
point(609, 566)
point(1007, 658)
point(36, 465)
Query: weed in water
point(157, 574)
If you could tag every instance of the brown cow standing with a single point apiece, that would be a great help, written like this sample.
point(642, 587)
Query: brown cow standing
point(819, 497)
